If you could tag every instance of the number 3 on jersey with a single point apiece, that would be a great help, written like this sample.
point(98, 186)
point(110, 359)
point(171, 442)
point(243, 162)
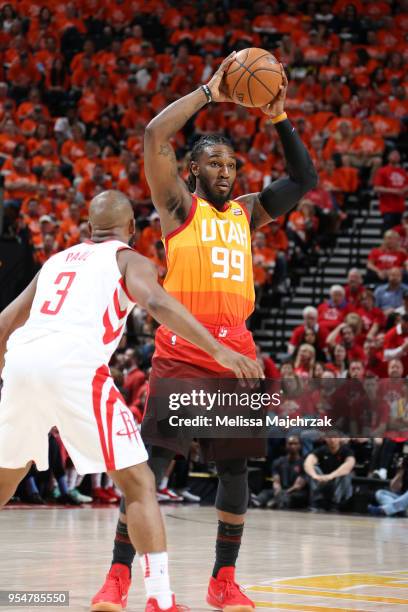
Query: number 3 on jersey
point(65, 280)
point(230, 261)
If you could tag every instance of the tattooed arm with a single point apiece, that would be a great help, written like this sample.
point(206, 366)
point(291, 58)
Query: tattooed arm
point(169, 192)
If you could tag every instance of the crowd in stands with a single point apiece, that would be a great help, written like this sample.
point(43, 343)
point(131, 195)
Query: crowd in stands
point(79, 82)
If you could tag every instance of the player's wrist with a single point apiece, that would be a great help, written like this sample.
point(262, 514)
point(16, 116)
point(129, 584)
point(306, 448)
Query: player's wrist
point(280, 117)
point(207, 92)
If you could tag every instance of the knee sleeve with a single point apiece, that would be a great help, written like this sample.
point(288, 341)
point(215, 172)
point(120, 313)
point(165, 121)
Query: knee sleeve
point(232, 492)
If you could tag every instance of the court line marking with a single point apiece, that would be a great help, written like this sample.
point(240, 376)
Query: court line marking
point(273, 580)
point(330, 595)
point(305, 608)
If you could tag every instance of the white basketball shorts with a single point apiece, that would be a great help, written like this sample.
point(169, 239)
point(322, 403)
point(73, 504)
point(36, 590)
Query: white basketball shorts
point(57, 381)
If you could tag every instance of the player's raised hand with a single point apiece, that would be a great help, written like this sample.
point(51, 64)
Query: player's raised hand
point(277, 107)
point(243, 367)
point(216, 85)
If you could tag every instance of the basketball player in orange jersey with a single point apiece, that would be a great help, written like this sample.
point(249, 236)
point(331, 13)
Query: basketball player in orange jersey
point(71, 318)
point(208, 245)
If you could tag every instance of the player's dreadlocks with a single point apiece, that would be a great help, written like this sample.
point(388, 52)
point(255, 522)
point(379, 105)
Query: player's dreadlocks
point(199, 146)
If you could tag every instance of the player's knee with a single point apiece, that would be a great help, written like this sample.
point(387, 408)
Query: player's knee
point(136, 482)
point(232, 493)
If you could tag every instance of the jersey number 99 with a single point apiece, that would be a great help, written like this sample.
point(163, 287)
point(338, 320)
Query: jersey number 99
point(231, 263)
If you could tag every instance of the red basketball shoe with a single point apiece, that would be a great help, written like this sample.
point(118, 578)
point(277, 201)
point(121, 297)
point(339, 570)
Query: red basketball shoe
point(112, 597)
point(153, 606)
point(225, 594)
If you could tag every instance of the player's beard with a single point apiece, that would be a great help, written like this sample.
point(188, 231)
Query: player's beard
point(214, 198)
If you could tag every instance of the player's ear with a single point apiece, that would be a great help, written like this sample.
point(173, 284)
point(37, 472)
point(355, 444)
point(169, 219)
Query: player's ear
point(90, 228)
point(132, 227)
point(194, 168)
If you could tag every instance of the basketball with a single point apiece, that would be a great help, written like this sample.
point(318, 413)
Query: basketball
point(254, 77)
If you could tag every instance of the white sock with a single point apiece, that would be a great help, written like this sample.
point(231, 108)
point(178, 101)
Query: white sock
point(155, 567)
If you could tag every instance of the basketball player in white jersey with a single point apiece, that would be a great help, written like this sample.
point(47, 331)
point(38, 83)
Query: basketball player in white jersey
point(71, 319)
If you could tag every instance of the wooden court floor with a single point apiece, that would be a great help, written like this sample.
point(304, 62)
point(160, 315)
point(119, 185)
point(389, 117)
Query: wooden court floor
point(288, 561)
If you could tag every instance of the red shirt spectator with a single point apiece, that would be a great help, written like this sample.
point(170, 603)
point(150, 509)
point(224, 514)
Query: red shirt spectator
point(391, 183)
point(396, 343)
point(331, 313)
point(385, 258)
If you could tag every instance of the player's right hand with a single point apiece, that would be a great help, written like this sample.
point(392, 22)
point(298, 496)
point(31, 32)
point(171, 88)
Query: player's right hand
point(242, 366)
point(215, 84)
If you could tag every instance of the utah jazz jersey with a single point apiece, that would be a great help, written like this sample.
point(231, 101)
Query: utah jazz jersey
point(210, 272)
point(210, 264)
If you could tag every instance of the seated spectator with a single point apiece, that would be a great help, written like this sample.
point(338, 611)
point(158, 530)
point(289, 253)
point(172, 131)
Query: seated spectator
point(382, 259)
point(339, 363)
point(354, 288)
point(329, 469)
point(349, 174)
point(391, 184)
point(305, 361)
point(388, 297)
point(393, 501)
point(340, 143)
point(374, 356)
point(20, 183)
point(135, 189)
point(372, 317)
point(289, 485)
point(331, 313)
point(396, 343)
point(367, 149)
point(343, 334)
point(309, 323)
point(302, 226)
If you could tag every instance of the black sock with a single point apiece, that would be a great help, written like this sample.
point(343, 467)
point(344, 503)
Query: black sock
point(123, 551)
point(227, 545)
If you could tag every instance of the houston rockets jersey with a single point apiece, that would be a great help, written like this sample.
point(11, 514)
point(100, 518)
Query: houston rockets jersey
point(210, 264)
point(81, 293)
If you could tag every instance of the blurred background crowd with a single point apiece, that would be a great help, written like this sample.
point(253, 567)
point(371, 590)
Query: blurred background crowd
point(80, 80)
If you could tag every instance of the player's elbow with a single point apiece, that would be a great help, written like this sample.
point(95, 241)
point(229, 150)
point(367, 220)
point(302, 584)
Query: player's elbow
point(155, 303)
point(151, 131)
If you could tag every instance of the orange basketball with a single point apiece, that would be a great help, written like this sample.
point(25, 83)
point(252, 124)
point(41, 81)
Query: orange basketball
point(254, 77)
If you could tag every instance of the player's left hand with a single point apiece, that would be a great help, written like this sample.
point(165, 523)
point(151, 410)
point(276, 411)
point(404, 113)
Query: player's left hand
point(277, 107)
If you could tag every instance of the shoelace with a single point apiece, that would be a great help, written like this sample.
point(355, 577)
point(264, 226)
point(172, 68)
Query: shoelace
point(232, 587)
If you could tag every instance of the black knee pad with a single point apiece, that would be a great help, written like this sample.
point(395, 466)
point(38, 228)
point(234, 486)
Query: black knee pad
point(232, 492)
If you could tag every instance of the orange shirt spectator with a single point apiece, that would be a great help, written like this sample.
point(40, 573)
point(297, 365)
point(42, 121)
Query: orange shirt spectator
point(350, 178)
point(74, 149)
point(118, 13)
point(23, 72)
point(20, 183)
point(277, 239)
point(385, 126)
point(150, 235)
